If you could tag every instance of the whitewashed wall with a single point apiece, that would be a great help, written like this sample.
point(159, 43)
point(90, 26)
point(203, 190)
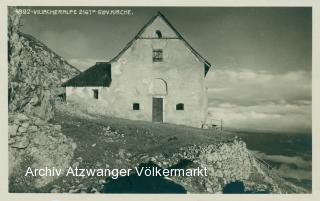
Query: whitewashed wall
point(134, 73)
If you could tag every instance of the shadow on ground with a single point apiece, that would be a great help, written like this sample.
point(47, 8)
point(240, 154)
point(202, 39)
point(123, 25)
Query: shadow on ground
point(142, 184)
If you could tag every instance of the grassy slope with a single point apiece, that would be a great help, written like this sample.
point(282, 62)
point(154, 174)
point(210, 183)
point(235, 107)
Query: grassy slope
point(126, 139)
point(133, 136)
point(125, 143)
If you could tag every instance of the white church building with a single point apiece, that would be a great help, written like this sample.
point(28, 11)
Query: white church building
point(157, 77)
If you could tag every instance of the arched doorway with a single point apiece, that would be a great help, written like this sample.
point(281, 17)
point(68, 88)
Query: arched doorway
point(158, 87)
point(158, 90)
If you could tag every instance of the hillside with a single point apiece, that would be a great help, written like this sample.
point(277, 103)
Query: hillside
point(44, 132)
point(35, 74)
point(104, 142)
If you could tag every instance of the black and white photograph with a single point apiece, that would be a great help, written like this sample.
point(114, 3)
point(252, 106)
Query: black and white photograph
point(159, 100)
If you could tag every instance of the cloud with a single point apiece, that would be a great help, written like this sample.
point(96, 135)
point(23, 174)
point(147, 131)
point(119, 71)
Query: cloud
point(295, 160)
point(272, 117)
point(249, 87)
point(287, 172)
point(246, 99)
point(301, 171)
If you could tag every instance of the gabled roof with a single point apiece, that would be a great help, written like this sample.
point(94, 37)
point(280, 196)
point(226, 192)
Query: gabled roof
point(96, 76)
point(159, 14)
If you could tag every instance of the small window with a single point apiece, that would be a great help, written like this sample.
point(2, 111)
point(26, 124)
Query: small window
point(159, 34)
point(157, 55)
point(180, 106)
point(95, 93)
point(135, 106)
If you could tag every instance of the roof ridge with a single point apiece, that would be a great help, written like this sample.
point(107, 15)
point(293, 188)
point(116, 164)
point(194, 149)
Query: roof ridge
point(201, 58)
point(134, 38)
point(184, 40)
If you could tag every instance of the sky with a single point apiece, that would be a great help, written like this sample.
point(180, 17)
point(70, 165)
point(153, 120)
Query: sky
point(261, 57)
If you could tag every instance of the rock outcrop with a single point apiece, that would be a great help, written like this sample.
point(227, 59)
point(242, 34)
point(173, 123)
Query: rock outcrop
point(37, 144)
point(35, 73)
point(226, 162)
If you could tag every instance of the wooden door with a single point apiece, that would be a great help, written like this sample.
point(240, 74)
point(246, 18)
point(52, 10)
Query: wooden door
point(157, 110)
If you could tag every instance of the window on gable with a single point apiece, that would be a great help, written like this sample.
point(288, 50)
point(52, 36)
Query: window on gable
point(159, 34)
point(95, 93)
point(180, 106)
point(135, 106)
point(157, 55)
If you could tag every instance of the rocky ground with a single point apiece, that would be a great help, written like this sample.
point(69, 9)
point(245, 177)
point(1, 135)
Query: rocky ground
point(82, 140)
point(35, 143)
point(95, 142)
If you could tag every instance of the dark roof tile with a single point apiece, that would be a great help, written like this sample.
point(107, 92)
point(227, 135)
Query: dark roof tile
point(98, 75)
